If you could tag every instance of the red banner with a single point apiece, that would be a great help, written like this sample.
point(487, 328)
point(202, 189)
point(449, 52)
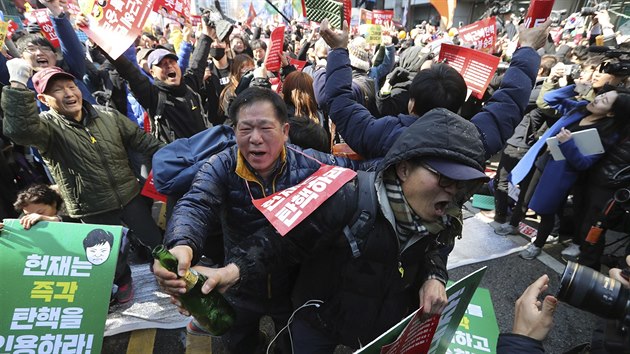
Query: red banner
point(12, 28)
point(287, 208)
point(476, 67)
point(538, 12)
point(172, 8)
point(46, 26)
point(115, 26)
point(148, 190)
point(481, 34)
point(73, 7)
point(272, 60)
point(299, 64)
point(382, 17)
point(416, 338)
point(347, 11)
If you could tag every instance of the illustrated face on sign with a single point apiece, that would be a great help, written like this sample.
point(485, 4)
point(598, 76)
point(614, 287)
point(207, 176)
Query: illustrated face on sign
point(98, 254)
point(98, 245)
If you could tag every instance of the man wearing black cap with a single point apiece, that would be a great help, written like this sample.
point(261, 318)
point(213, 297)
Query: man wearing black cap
point(84, 146)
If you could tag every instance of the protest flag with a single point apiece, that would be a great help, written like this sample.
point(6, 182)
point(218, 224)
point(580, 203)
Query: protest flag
point(251, 15)
point(446, 9)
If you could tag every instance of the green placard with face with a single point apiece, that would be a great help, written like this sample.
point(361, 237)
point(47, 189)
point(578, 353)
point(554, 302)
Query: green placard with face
point(478, 331)
point(57, 280)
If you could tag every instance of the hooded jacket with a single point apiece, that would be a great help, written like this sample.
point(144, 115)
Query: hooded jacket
point(88, 160)
point(365, 296)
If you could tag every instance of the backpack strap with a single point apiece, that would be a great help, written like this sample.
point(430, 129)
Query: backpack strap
point(365, 214)
point(157, 117)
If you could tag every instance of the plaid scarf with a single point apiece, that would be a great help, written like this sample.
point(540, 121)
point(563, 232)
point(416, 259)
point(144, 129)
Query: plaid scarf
point(408, 223)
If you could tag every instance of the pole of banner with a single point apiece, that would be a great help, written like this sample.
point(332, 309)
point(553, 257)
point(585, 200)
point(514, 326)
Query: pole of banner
point(278, 11)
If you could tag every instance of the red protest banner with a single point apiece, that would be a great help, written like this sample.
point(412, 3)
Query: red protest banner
point(382, 17)
point(299, 64)
point(172, 8)
point(416, 338)
point(347, 11)
point(538, 12)
point(272, 60)
point(287, 208)
point(73, 7)
point(476, 67)
point(481, 34)
point(46, 26)
point(11, 28)
point(115, 26)
point(148, 190)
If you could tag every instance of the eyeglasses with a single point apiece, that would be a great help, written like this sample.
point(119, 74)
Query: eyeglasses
point(444, 181)
point(43, 49)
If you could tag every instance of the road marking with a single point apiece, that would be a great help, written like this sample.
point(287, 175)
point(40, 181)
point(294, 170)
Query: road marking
point(141, 341)
point(196, 344)
point(551, 262)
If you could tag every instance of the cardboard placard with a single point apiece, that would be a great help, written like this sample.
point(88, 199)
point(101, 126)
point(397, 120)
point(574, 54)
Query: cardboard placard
point(366, 17)
point(318, 10)
point(61, 279)
point(476, 67)
point(272, 60)
point(173, 9)
point(287, 208)
point(347, 11)
point(410, 336)
point(481, 34)
point(115, 26)
point(4, 29)
point(373, 33)
point(538, 12)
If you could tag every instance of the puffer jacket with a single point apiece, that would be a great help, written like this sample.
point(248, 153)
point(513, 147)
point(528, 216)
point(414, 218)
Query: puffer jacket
point(221, 197)
point(372, 137)
point(88, 160)
point(362, 297)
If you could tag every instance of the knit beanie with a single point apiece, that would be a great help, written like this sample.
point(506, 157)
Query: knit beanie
point(359, 57)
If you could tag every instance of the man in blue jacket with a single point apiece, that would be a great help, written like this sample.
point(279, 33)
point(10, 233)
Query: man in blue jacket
point(440, 86)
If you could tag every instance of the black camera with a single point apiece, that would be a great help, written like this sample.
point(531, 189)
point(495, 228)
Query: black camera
point(214, 19)
point(619, 67)
point(588, 290)
point(591, 10)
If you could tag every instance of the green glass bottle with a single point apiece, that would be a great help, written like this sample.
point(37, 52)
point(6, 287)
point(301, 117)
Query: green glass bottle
point(210, 310)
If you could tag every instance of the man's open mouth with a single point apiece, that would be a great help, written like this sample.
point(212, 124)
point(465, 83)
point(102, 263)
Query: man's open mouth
point(171, 75)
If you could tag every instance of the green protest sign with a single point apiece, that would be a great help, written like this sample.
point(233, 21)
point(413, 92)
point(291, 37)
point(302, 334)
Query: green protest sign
point(459, 296)
point(478, 331)
point(58, 279)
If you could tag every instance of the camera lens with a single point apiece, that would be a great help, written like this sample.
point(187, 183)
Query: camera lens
point(586, 289)
point(622, 195)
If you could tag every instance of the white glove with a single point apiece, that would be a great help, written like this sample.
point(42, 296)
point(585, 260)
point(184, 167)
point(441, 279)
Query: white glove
point(19, 71)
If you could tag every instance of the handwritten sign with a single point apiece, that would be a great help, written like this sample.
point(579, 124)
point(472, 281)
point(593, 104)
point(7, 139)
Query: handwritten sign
point(476, 67)
point(482, 35)
point(287, 208)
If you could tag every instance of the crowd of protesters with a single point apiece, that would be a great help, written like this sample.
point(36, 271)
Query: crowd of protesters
point(93, 126)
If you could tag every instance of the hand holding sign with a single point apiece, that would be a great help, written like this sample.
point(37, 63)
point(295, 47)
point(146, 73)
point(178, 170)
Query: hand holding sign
point(53, 6)
point(333, 39)
point(534, 37)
